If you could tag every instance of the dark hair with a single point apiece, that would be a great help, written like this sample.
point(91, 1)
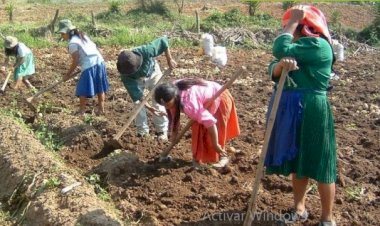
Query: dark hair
point(11, 51)
point(168, 91)
point(76, 32)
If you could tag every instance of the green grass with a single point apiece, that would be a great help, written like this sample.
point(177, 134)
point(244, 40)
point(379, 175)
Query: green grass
point(136, 27)
point(139, 26)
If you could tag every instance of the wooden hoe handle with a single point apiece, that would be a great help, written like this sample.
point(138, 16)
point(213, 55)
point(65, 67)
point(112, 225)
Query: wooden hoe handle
point(260, 168)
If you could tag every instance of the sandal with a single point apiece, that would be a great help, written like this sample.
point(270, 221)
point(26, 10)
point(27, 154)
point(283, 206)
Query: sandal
point(327, 223)
point(222, 162)
point(293, 217)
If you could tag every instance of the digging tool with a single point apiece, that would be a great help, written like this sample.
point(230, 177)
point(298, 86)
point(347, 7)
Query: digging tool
point(114, 142)
point(260, 168)
point(6, 82)
point(30, 99)
point(165, 154)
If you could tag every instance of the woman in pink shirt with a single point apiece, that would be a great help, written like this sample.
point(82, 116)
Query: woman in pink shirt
point(213, 127)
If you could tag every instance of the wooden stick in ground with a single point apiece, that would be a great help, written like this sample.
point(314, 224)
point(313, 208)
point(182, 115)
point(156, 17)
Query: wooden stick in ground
point(30, 99)
point(6, 81)
point(166, 152)
point(138, 108)
point(260, 168)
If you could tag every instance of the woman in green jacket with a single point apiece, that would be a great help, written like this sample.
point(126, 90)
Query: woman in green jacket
point(303, 138)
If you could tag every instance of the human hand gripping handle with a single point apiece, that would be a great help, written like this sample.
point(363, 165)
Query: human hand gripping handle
point(288, 64)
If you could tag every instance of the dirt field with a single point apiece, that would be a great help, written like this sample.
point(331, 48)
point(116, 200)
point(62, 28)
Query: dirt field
point(146, 191)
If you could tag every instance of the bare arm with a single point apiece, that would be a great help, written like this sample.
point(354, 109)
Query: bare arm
point(73, 66)
point(288, 63)
point(213, 132)
point(171, 62)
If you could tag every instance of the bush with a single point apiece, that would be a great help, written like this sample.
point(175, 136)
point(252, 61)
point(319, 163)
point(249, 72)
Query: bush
point(253, 6)
point(114, 6)
point(335, 17)
point(232, 18)
point(287, 4)
point(154, 6)
point(371, 34)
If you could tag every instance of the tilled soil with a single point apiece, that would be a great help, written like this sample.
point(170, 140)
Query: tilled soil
point(146, 190)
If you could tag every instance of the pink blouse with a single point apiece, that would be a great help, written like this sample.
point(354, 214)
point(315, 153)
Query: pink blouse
point(194, 100)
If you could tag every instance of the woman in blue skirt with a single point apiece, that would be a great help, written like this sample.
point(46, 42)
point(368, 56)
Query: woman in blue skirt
point(303, 137)
point(93, 80)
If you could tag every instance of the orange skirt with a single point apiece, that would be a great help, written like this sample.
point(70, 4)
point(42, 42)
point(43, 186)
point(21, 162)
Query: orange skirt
point(228, 128)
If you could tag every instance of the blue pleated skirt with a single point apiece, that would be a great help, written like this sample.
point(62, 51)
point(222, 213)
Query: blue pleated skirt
point(93, 81)
point(283, 142)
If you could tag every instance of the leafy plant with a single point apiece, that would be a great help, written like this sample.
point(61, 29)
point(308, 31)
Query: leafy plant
point(10, 8)
point(115, 6)
point(371, 34)
point(288, 4)
point(228, 19)
point(335, 17)
point(52, 182)
point(154, 6)
point(94, 179)
point(252, 6)
point(88, 119)
point(354, 193)
point(47, 137)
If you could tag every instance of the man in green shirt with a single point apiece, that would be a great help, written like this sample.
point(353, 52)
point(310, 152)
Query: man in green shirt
point(139, 70)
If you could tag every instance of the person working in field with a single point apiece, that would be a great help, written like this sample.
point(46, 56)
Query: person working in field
point(24, 66)
point(303, 139)
point(139, 70)
point(213, 126)
point(93, 80)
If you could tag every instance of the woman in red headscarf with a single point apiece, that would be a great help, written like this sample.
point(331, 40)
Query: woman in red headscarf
point(303, 138)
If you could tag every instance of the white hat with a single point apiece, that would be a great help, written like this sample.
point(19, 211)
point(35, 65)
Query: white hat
point(10, 42)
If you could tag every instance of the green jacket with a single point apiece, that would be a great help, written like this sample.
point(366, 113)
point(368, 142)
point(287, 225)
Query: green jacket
point(314, 58)
point(148, 53)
